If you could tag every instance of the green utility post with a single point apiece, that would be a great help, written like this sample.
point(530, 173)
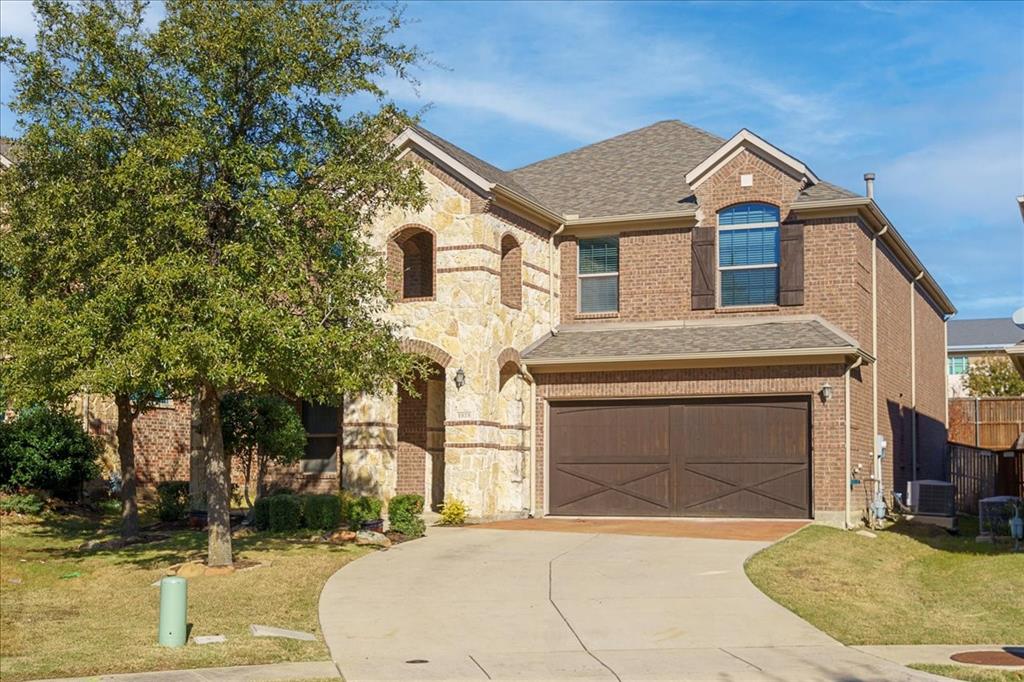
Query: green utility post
point(173, 606)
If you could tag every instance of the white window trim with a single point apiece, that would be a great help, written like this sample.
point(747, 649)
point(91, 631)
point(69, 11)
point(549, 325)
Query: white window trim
point(579, 289)
point(719, 267)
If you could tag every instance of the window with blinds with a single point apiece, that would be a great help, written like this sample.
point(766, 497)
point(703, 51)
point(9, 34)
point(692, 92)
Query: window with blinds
point(957, 364)
point(598, 275)
point(748, 255)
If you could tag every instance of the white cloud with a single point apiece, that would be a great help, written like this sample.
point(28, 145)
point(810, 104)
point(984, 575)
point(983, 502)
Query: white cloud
point(976, 175)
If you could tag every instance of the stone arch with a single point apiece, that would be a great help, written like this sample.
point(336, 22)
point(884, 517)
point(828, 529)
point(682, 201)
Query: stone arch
point(412, 262)
point(426, 349)
point(509, 363)
point(511, 271)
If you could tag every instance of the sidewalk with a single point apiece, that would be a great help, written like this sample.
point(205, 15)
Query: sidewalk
point(939, 654)
point(240, 673)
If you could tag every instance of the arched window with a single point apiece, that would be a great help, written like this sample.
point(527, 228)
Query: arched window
point(411, 263)
point(511, 272)
point(748, 255)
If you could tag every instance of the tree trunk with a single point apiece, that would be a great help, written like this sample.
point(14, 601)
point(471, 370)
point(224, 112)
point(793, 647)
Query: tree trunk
point(218, 478)
point(126, 453)
point(196, 461)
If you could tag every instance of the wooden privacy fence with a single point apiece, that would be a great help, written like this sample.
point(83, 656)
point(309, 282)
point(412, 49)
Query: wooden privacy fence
point(990, 423)
point(978, 473)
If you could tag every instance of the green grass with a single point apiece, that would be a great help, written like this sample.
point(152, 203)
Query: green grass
point(909, 585)
point(104, 621)
point(960, 672)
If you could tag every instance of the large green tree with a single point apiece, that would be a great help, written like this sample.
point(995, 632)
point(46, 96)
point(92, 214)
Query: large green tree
point(251, 143)
point(994, 377)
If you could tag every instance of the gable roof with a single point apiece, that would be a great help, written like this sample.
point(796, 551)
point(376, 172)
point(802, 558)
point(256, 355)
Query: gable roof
point(748, 141)
point(489, 172)
point(640, 176)
point(638, 172)
point(988, 333)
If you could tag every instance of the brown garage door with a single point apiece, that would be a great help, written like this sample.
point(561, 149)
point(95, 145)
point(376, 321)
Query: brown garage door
point(721, 457)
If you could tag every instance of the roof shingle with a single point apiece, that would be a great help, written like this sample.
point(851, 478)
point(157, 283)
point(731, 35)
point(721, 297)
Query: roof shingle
point(993, 331)
point(631, 342)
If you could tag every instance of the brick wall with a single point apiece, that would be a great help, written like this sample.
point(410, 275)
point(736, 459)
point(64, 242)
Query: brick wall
point(511, 272)
point(828, 436)
point(412, 439)
point(162, 441)
point(655, 265)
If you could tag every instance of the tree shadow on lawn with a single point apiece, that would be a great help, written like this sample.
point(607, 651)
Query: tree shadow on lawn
point(181, 545)
point(962, 543)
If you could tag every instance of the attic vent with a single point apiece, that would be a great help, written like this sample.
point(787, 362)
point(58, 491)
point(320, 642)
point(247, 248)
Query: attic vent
point(746, 180)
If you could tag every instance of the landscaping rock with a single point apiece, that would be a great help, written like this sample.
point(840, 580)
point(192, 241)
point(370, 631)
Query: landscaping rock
point(210, 639)
point(369, 537)
point(269, 631)
point(866, 534)
point(341, 536)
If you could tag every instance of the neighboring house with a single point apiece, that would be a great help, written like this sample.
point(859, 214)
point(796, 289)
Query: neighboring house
point(972, 341)
point(664, 323)
point(7, 155)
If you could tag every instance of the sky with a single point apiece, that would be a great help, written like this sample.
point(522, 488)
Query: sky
point(927, 95)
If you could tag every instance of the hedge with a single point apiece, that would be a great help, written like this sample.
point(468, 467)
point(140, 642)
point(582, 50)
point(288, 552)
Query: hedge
point(285, 512)
point(321, 512)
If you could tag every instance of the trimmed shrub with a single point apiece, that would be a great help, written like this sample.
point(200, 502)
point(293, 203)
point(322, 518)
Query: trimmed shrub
point(285, 512)
point(21, 504)
point(172, 500)
point(404, 514)
point(46, 449)
point(261, 513)
point(356, 510)
point(453, 512)
point(321, 512)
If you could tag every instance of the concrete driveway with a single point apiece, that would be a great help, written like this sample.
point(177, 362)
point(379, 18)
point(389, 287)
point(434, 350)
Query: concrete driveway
point(474, 604)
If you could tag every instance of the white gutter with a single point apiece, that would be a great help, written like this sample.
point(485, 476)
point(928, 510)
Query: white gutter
point(525, 373)
point(913, 375)
point(876, 462)
point(848, 472)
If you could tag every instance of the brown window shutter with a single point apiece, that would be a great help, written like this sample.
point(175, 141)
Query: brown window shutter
point(702, 267)
point(791, 264)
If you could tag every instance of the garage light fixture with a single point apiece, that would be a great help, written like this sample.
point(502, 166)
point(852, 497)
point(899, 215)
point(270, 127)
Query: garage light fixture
point(825, 392)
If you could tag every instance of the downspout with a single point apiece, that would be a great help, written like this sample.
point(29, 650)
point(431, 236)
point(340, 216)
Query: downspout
point(876, 462)
point(525, 373)
point(849, 472)
point(913, 375)
point(551, 277)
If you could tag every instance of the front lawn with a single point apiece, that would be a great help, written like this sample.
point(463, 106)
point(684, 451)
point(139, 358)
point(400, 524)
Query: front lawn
point(66, 612)
point(909, 585)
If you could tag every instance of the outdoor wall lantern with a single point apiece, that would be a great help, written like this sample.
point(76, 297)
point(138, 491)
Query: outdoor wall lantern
point(460, 378)
point(825, 392)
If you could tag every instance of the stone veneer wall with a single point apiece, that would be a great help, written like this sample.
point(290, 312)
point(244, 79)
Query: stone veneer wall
point(485, 452)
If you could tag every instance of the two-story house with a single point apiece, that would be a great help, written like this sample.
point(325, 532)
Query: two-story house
point(664, 323)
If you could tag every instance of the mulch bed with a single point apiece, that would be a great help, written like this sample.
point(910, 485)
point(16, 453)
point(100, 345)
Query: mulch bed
point(1008, 656)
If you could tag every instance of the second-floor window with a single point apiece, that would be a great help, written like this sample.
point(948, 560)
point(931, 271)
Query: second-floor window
point(748, 255)
point(957, 364)
point(598, 275)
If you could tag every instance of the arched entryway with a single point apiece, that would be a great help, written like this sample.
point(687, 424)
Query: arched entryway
point(420, 448)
